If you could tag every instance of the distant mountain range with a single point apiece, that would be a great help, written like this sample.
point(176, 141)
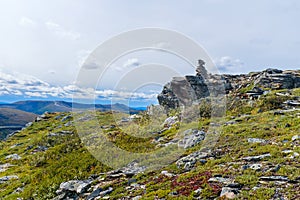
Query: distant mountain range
point(14, 116)
point(39, 107)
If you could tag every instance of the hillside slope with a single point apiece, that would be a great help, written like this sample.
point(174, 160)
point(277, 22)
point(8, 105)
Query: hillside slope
point(12, 119)
point(255, 157)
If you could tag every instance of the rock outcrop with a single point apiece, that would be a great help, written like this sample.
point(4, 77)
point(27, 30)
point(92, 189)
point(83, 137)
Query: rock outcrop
point(187, 90)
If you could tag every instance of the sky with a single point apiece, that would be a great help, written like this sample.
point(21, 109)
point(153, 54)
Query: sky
point(45, 43)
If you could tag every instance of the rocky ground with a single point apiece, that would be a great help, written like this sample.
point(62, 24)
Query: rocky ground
point(256, 154)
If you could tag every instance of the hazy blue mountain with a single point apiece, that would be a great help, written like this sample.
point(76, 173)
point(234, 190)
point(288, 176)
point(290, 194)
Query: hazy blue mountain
point(39, 107)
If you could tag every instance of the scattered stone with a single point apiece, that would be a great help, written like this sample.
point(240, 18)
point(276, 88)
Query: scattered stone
point(16, 145)
point(5, 166)
point(13, 157)
point(189, 161)
point(28, 124)
point(256, 158)
point(66, 118)
point(191, 138)
point(255, 166)
point(68, 124)
point(136, 198)
point(287, 151)
point(274, 178)
point(295, 137)
point(221, 180)
point(198, 191)
point(19, 190)
point(166, 173)
point(8, 178)
point(170, 121)
point(229, 193)
point(256, 140)
point(106, 192)
point(276, 168)
point(132, 169)
point(74, 186)
point(40, 149)
point(94, 194)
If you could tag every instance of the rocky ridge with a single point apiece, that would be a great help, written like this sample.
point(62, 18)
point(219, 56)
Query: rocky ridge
point(192, 88)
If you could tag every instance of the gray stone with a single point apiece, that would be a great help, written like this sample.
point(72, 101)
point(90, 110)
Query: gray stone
point(188, 162)
point(66, 118)
point(136, 198)
point(198, 191)
point(166, 173)
point(256, 140)
point(228, 192)
point(94, 194)
point(274, 178)
point(8, 178)
point(106, 192)
point(190, 89)
point(13, 157)
point(255, 166)
point(132, 169)
point(191, 138)
point(75, 186)
point(170, 121)
point(295, 137)
point(221, 180)
point(5, 166)
point(256, 158)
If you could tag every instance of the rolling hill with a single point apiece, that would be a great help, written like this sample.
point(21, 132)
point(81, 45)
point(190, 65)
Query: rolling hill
point(39, 107)
point(12, 119)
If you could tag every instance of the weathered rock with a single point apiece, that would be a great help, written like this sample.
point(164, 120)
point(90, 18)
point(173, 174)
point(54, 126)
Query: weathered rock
point(229, 193)
point(132, 169)
point(191, 138)
point(274, 178)
point(166, 173)
point(221, 180)
point(94, 194)
point(5, 166)
point(189, 161)
point(65, 118)
point(106, 192)
point(256, 158)
point(13, 157)
point(190, 89)
point(77, 186)
point(136, 198)
point(170, 121)
point(256, 140)
point(8, 178)
point(295, 137)
point(183, 91)
point(255, 166)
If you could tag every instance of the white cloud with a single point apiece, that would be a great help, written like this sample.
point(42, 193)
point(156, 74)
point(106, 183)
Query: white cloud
point(130, 63)
point(17, 84)
point(125, 95)
point(27, 22)
point(91, 65)
point(227, 64)
point(61, 32)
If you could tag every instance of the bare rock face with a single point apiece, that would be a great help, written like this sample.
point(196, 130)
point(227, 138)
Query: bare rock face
point(187, 90)
point(183, 91)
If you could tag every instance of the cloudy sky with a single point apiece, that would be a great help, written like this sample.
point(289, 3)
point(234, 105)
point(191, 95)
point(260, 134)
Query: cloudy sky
point(44, 43)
